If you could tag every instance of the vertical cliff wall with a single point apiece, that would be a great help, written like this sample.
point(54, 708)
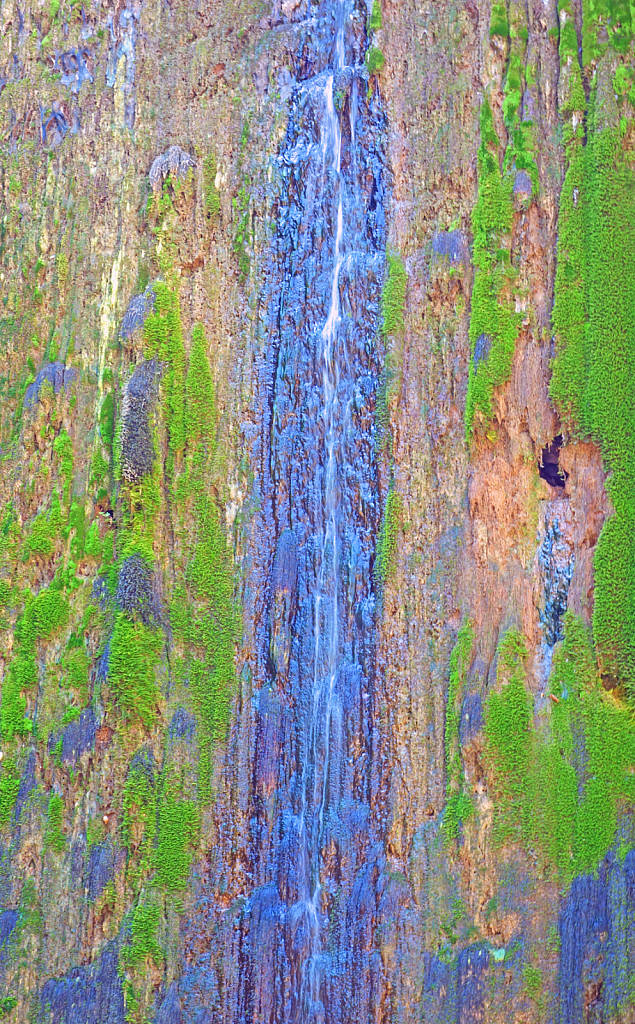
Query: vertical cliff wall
point(316, 540)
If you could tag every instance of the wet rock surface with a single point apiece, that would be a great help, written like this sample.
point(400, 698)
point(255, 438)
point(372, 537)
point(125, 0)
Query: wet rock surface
point(194, 146)
point(88, 995)
point(303, 942)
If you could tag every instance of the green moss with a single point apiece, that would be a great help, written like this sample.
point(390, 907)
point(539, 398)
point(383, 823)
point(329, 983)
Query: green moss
point(458, 806)
point(143, 941)
point(134, 655)
point(375, 61)
point(388, 539)
point(54, 837)
point(605, 23)
point(199, 392)
point(211, 193)
point(241, 241)
point(9, 787)
point(7, 1004)
point(63, 448)
point(107, 419)
point(95, 833)
point(508, 740)
point(44, 532)
point(43, 616)
point(393, 296)
point(499, 25)
point(77, 529)
point(374, 23)
point(594, 323)
point(177, 832)
point(77, 666)
point(492, 316)
point(558, 787)
point(164, 339)
point(532, 977)
point(139, 822)
point(215, 623)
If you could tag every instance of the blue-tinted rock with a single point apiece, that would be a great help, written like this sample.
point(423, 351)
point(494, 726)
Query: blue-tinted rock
point(8, 921)
point(471, 717)
point(138, 309)
point(170, 1009)
point(482, 349)
point(56, 374)
point(77, 737)
point(473, 967)
point(101, 869)
point(450, 245)
point(86, 995)
point(597, 942)
point(522, 184)
point(134, 590)
point(183, 725)
point(27, 785)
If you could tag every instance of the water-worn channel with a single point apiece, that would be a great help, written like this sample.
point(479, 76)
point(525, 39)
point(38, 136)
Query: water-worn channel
point(300, 944)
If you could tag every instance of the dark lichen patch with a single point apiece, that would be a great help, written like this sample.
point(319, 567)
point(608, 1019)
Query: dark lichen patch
point(136, 594)
point(135, 440)
point(86, 995)
point(57, 376)
point(138, 310)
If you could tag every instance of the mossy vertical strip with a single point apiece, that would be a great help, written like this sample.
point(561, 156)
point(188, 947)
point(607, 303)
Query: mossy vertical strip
point(386, 553)
point(493, 323)
point(458, 806)
point(594, 323)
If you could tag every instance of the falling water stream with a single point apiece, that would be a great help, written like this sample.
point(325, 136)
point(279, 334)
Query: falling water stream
point(304, 947)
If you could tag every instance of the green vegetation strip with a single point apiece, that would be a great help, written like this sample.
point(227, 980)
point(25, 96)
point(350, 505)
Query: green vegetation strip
point(558, 785)
point(493, 323)
point(594, 323)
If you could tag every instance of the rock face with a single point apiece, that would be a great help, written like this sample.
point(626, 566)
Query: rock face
point(316, 534)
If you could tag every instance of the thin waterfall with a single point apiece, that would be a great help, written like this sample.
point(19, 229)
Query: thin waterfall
point(304, 947)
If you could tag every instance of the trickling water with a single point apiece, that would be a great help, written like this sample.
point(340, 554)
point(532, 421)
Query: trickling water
point(303, 945)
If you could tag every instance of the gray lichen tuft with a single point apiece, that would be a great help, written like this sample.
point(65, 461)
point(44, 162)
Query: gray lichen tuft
point(137, 447)
point(174, 161)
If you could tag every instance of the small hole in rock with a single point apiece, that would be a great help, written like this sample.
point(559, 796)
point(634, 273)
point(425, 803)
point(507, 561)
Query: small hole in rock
point(549, 465)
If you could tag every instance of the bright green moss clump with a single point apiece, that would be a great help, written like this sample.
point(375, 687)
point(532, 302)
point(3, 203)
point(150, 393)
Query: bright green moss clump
point(605, 23)
point(178, 830)
point(594, 369)
point(199, 392)
point(558, 787)
point(493, 323)
point(43, 616)
point(9, 787)
point(134, 657)
point(164, 339)
point(215, 626)
point(388, 536)
point(63, 448)
point(375, 61)
point(211, 193)
point(374, 23)
point(393, 296)
point(143, 941)
point(507, 739)
point(458, 806)
point(53, 835)
point(107, 419)
point(498, 25)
